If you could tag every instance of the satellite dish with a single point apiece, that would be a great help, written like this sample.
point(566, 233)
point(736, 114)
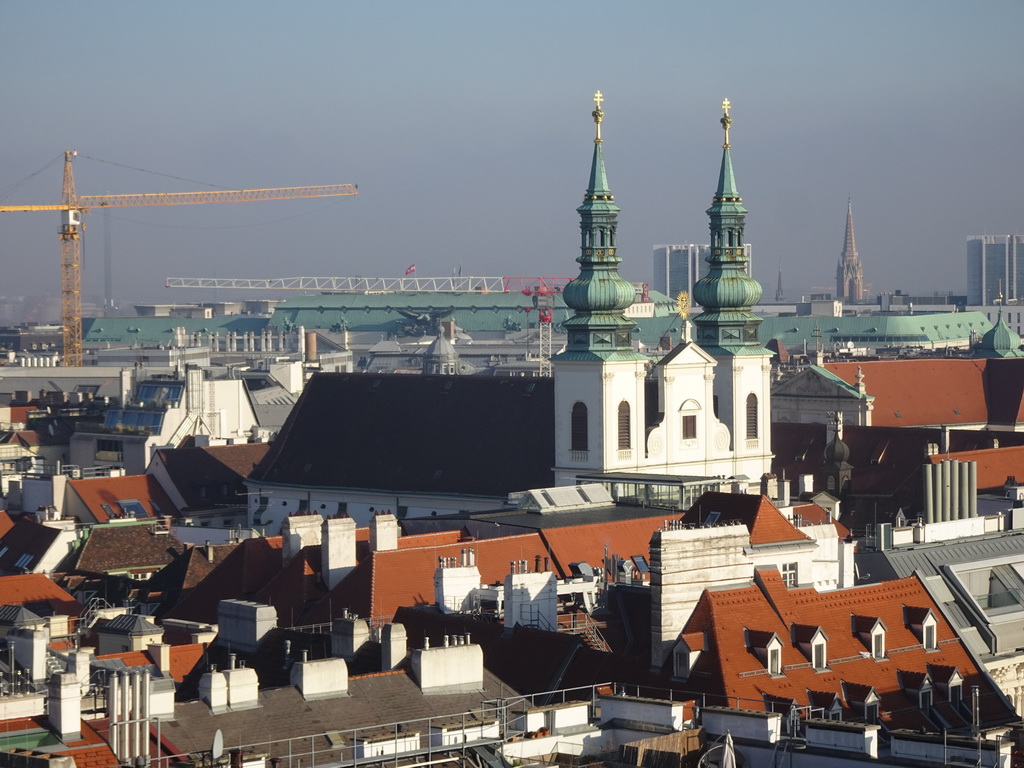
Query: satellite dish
point(217, 750)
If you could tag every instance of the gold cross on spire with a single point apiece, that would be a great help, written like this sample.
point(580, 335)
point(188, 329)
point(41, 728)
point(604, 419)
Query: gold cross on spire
point(726, 122)
point(598, 115)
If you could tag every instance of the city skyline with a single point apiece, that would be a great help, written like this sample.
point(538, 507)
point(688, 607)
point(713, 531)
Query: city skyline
point(467, 129)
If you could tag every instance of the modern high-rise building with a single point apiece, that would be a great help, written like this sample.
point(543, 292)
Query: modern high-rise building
point(995, 265)
point(850, 272)
point(679, 267)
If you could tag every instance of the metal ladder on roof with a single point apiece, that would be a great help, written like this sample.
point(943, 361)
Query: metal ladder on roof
point(87, 619)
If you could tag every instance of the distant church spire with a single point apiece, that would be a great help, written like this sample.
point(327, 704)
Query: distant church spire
point(727, 294)
point(779, 295)
point(598, 329)
point(849, 273)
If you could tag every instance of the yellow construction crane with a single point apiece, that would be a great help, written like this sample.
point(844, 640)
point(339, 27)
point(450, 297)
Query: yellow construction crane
point(72, 207)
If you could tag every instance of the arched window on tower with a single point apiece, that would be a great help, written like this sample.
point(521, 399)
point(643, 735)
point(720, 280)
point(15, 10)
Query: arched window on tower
point(625, 443)
point(578, 433)
point(752, 417)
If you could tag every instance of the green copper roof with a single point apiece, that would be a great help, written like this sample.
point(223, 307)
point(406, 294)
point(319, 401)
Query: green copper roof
point(598, 329)
point(874, 331)
point(726, 326)
point(727, 180)
point(1001, 341)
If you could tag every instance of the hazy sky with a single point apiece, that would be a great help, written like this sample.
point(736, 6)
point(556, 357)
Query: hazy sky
point(467, 127)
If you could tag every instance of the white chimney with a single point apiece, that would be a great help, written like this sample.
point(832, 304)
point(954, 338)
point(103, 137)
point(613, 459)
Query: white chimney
point(65, 702)
point(393, 646)
point(160, 653)
point(244, 624)
point(348, 636)
point(449, 669)
point(455, 582)
point(320, 679)
point(243, 688)
point(384, 532)
point(298, 531)
point(337, 549)
point(531, 599)
point(213, 691)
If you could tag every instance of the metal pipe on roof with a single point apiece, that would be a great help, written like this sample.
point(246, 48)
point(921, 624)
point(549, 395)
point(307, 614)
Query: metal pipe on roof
point(972, 487)
point(944, 481)
point(929, 499)
point(956, 513)
point(963, 486)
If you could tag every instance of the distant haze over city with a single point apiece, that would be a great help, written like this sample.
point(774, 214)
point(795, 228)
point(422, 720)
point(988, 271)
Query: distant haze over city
point(467, 128)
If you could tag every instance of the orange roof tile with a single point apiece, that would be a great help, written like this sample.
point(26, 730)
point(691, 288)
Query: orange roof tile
point(812, 514)
point(99, 491)
point(183, 659)
point(588, 543)
point(26, 588)
point(405, 577)
point(767, 525)
point(768, 606)
point(902, 401)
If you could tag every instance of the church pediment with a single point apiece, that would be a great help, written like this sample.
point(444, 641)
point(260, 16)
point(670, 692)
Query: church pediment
point(814, 382)
point(687, 353)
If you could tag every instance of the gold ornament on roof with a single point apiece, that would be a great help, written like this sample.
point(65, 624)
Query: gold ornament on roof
point(683, 304)
point(726, 122)
point(598, 115)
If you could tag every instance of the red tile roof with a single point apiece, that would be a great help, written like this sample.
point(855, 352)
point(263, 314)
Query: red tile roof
point(95, 492)
point(183, 659)
point(728, 668)
point(812, 514)
point(240, 575)
point(588, 543)
point(981, 391)
point(37, 588)
point(387, 580)
point(767, 525)
point(134, 546)
point(904, 399)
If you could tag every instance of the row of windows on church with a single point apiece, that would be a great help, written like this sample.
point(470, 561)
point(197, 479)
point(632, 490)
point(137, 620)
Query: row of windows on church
point(579, 434)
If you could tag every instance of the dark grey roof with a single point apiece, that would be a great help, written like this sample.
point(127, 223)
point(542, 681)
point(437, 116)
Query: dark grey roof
point(373, 701)
point(466, 435)
point(130, 624)
point(927, 558)
point(17, 616)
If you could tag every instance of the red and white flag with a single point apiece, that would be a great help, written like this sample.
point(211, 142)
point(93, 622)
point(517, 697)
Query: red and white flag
point(410, 269)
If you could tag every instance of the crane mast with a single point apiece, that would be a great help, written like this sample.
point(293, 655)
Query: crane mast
point(71, 267)
point(72, 207)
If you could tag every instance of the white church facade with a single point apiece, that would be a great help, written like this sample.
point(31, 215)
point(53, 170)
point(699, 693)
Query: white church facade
point(711, 417)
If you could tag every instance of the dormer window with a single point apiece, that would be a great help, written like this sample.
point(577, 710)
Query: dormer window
point(768, 648)
point(922, 622)
point(929, 637)
point(812, 642)
point(871, 632)
point(818, 656)
point(955, 694)
point(687, 652)
point(924, 698)
point(871, 712)
point(878, 645)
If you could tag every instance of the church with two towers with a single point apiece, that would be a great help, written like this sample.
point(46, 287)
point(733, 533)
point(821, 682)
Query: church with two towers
point(703, 409)
point(425, 445)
